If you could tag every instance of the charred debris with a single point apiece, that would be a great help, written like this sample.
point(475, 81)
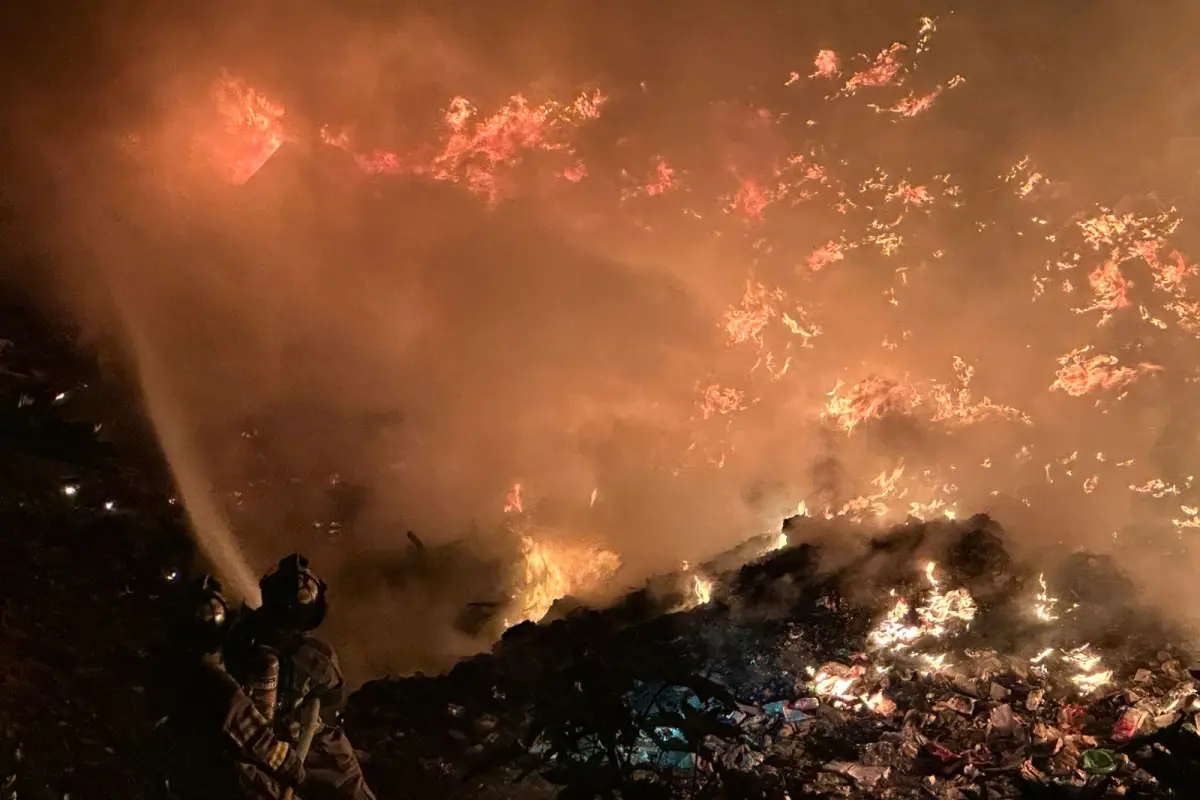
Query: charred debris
point(929, 664)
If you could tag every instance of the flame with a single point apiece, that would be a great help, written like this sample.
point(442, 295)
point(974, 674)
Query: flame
point(715, 400)
point(1078, 376)
point(837, 682)
point(513, 502)
point(870, 399)
point(1090, 673)
point(475, 148)
point(1044, 608)
point(938, 614)
point(254, 125)
point(883, 71)
point(552, 571)
point(826, 64)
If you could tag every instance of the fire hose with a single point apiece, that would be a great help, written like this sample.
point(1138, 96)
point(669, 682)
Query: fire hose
point(312, 721)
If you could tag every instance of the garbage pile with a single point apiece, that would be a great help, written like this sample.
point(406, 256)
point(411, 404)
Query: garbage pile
point(928, 665)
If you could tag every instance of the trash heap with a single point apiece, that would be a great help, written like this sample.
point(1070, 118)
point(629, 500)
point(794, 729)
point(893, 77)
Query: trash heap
point(927, 664)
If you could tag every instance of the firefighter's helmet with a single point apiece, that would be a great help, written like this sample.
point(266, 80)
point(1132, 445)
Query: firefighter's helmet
point(293, 596)
point(205, 615)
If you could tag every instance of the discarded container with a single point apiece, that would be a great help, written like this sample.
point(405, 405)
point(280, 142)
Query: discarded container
point(941, 751)
point(776, 708)
point(1002, 719)
point(791, 712)
point(1098, 762)
point(862, 774)
point(1070, 718)
point(956, 702)
point(1128, 724)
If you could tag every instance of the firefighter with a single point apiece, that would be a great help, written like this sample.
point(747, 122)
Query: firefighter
point(294, 604)
point(217, 744)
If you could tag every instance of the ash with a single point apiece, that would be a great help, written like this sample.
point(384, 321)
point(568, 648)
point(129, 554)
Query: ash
point(926, 664)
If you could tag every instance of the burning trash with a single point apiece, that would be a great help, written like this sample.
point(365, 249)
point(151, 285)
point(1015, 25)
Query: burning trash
point(908, 694)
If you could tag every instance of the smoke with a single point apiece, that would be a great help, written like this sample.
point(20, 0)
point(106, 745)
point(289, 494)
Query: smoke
point(393, 354)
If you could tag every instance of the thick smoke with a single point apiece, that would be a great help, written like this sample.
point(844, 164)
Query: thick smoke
point(397, 354)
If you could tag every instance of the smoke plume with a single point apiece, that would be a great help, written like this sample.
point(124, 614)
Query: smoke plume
point(337, 348)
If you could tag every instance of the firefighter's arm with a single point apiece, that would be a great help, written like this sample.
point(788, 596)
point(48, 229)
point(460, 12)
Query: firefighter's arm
point(251, 734)
point(329, 684)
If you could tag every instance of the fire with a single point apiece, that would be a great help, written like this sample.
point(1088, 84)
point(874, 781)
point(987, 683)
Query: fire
point(716, 400)
point(475, 148)
point(1044, 609)
point(939, 613)
point(1089, 673)
point(699, 588)
point(883, 71)
point(747, 321)
point(912, 105)
point(556, 569)
point(837, 682)
point(870, 399)
point(253, 124)
point(1078, 376)
point(758, 197)
point(827, 65)
point(1085, 668)
point(894, 631)
point(828, 253)
point(957, 406)
point(513, 502)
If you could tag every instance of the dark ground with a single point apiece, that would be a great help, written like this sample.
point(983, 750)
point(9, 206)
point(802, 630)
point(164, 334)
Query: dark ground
point(81, 575)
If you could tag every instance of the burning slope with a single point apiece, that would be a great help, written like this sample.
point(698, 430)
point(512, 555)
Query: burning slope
point(964, 676)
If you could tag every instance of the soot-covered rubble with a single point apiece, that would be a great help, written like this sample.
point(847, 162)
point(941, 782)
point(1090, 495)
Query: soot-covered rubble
point(928, 665)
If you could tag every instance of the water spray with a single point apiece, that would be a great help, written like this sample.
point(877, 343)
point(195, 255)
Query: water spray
point(209, 525)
